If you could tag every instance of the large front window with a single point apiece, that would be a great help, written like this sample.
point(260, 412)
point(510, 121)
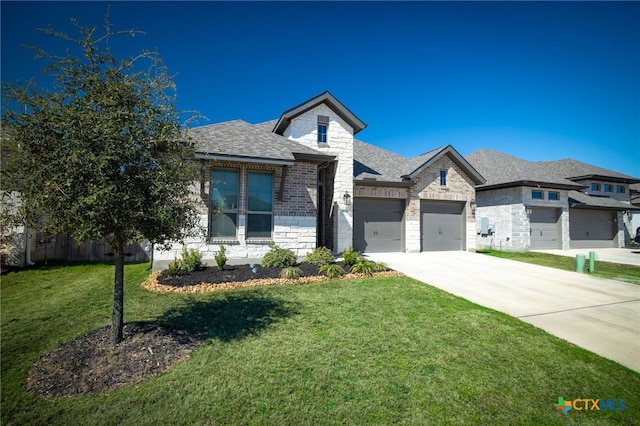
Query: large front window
point(223, 222)
point(259, 204)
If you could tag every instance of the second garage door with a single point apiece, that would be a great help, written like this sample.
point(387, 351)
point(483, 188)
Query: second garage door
point(592, 228)
point(377, 225)
point(545, 228)
point(443, 225)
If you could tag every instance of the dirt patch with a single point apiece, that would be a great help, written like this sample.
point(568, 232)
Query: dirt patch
point(91, 364)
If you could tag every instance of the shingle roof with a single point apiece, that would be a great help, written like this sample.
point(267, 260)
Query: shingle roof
point(580, 199)
point(242, 140)
point(574, 169)
point(371, 162)
point(500, 169)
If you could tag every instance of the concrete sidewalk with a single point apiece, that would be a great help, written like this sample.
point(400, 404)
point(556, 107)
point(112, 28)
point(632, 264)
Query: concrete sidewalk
point(614, 255)
point(600, 315)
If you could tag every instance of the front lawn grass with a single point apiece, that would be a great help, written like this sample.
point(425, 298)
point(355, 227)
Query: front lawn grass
point(363, 351)
point(608, 270)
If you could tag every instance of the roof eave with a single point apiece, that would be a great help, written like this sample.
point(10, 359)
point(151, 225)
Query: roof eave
point(244, 159)
point(313, 158)
point(393, 184)
point(458, 159)
point(530, 183)
point(617, 179)
point(331, 101)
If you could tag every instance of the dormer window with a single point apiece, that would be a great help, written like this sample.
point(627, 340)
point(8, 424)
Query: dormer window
point(323, 125)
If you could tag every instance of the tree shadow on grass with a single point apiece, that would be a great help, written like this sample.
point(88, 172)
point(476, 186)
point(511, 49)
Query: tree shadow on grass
point(231, 318)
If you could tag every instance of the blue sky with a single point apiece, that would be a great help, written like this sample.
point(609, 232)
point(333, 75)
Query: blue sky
point(541, 80)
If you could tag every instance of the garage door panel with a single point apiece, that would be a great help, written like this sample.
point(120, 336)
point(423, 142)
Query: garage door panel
point(378, 225)
point(442, 226)
point(592, 228)
point(545, 228)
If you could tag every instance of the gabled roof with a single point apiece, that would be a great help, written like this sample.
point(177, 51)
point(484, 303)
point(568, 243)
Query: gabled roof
point(238, 140)
point(502, 170)
point(425, 160)
point(579, 199)
point(326, 98)
point(576, 170)
point(372, 163)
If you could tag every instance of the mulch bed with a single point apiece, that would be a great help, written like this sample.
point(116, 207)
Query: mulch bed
point(239, 276)
point(91, 364)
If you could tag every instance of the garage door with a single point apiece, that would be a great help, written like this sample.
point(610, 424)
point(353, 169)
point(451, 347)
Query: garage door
point(592, 228)
point(545, 228)
point(443, 225)
point(377, 225)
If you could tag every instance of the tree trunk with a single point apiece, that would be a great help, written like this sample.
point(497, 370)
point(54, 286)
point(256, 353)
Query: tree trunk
point(117, 318)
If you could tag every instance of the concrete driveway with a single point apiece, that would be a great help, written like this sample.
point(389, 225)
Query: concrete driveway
point(600, 315)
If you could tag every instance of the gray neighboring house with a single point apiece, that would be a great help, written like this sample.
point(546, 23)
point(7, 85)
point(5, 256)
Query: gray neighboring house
point(560, 204)
point(303, 181)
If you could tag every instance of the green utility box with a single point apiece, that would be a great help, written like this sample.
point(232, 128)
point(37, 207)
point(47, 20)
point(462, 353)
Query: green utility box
point(592, 261)
point(580, 258)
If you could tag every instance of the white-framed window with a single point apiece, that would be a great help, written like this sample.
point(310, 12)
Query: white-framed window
point(443, 178)
point(620, 189)
point(553, 195)
point(323, 126)
point(608, 187)
point(537, 194)
point(595, 187)
point(224, 197)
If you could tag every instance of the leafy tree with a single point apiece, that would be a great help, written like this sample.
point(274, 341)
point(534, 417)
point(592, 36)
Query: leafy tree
point(101, 152)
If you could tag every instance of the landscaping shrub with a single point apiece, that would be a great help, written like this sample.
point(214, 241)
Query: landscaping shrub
point(221, 257)
point(291, 273)
point(190, 261)
point(320, 256)
point(363, 266)
point(380, 266)
point(279, 258)
point(350, 256)
point(331, 270)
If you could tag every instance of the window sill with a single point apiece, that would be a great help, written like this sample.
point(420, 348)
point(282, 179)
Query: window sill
point(259, 240)
point(230, 241)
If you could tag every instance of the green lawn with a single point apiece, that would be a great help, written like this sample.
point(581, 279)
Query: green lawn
point(616, 271)
point(365, 351)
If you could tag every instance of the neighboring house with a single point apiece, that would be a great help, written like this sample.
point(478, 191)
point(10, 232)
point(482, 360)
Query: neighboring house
point(303, 181)
point(634, 193)
point(550, 204)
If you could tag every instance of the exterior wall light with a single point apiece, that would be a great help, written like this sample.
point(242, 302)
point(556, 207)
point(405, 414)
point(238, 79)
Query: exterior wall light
point(472, 204)
point(346, 198)
point(528, 210)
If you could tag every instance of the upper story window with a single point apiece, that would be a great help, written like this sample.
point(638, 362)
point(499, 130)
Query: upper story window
point(224, 195)
point(537, 195)
point(595, 187)
point(553, 195)
point(620, 189)
point(443, 178)
point(608, 188)
point(323, 126)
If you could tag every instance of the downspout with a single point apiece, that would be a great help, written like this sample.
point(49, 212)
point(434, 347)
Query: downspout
point(27, 246)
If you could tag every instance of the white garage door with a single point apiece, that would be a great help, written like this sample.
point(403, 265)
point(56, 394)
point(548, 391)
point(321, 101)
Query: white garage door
point(443, 225)
point(593, 228)
point(545, 228)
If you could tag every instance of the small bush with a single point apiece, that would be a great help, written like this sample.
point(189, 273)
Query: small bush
point(291, 273)
point(331, 270)
point(191, 260)
point(221, 257)
point(380, 266)
point(279, 258)
point(320, 256)
point(174, 267)
point(350, 256)
point(363, 267)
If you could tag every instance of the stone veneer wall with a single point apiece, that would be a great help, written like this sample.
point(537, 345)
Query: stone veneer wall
point(427, 187)
point(294, 218)
point(505, 208)
point(303, 129)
